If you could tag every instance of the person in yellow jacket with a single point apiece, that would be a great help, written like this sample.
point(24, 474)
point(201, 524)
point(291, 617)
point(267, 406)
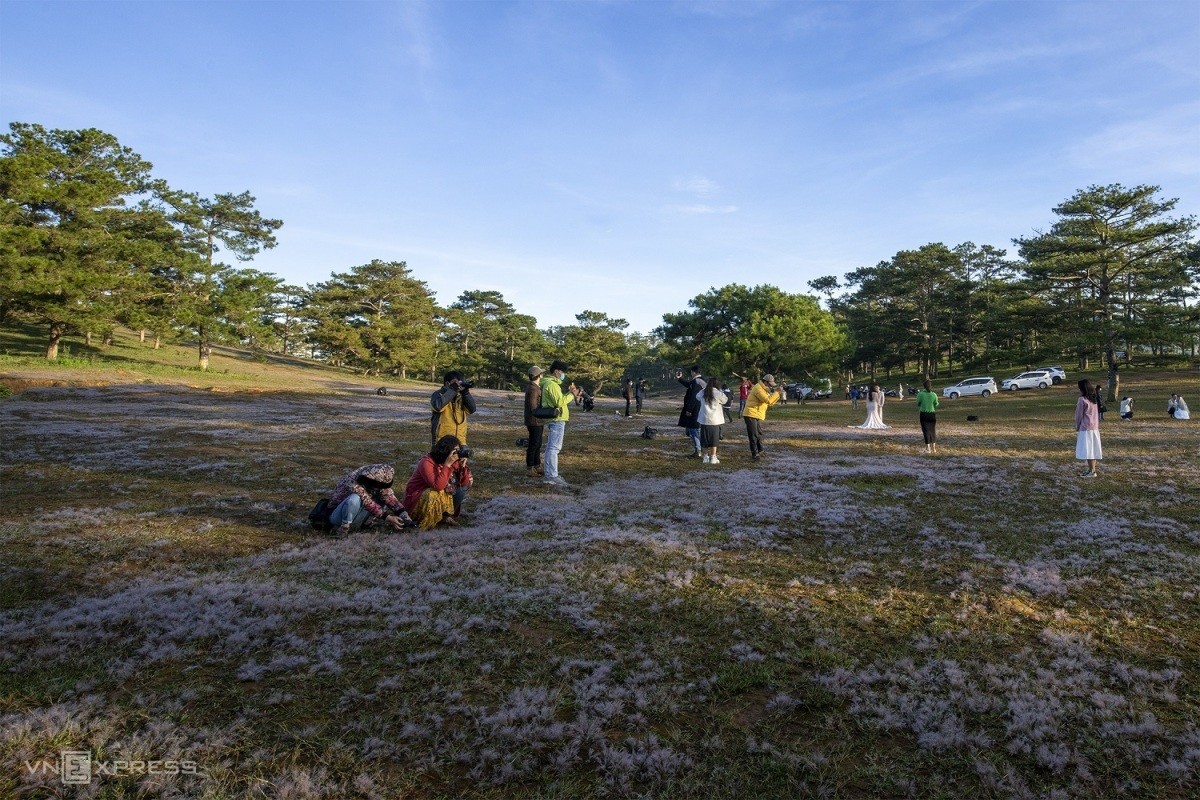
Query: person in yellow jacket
point(451, 405)
point(762, 396)
point(554, 396)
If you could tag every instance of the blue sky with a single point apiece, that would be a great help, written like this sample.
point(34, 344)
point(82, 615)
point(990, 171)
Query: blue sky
point(624, 157)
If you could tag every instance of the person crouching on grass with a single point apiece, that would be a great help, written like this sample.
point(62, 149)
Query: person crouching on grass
point(439, 484)
point(364, 495)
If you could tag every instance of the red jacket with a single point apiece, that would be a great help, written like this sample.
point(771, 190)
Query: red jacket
point(431, 475)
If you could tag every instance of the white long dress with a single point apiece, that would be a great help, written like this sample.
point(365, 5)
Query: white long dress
point(1181, 410)
point(874, 412)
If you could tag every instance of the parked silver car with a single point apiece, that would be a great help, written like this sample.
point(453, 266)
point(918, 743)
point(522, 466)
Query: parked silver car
point(1038, 378)
point(971, 386)
point(1058, 374)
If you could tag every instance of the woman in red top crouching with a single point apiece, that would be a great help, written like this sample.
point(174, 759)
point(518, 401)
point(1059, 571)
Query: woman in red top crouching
point(439, 484)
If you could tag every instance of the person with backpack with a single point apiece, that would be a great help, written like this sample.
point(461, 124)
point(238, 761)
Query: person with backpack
point(363, 496)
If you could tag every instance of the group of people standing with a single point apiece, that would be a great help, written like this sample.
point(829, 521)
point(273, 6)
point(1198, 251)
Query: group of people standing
point(705, 411)
point(547, 410)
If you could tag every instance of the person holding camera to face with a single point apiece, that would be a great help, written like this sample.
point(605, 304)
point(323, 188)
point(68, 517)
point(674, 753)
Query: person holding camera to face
point(764, 395)
point(439, 484)
point(451, 404)
point(363, 497)
point(689, 417)
point(555, 397)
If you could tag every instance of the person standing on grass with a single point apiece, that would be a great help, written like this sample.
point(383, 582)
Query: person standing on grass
point(364, 495)
point(763, 395)
point(535, 425)
point(712, 417)
point(451, 404)
point(1087, 424)
point(553, 396)
point(854, 398)
point(874, 409)
point(628, 395)
point(439, 483)
point(927, 403)
point(743, 393)
point(639, 394)
point(690, 415)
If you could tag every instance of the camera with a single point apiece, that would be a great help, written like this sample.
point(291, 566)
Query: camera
point(464, 384)
point(464, 452)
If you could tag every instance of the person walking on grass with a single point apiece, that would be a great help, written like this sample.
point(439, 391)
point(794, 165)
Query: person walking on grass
point(1087, 425)
point(554, 396)
point(535, 425)
point(763, 395)
point(712, 417)
point(927, 403)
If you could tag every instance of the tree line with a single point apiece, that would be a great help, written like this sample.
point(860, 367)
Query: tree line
point(90, 239)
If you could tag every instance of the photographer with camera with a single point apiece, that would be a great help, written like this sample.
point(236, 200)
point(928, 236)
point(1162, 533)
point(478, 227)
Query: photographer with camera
point(763, 395)
point(451, 404)
point(363, 497)
point(439, 484)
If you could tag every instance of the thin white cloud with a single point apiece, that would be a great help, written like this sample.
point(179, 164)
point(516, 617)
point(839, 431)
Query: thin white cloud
point(1167, 143)
point(696, 184)
point(701, 208)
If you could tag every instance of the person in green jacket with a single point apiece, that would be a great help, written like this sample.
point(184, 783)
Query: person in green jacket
point(927, 403)
point(554, 396)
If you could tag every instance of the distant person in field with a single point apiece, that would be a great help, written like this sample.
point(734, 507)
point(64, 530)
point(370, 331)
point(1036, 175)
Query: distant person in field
point(1181, 408)
point(711, 418)
point(743, 393)
point(451, 404)
point(854, 398)
point(364, 496)
point(628, 393)
point(927, 403)
point(438, 486)
point(640, 394)
point(874, 409)
point(1087, 426)
point(1126, 408)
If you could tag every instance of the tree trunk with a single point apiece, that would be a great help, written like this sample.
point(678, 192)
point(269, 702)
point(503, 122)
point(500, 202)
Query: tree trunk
point(87, 337)
point(157, 341)
point(142, 336)
point(56, 333)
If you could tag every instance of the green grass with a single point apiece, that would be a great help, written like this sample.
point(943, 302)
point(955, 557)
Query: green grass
point(710, 610)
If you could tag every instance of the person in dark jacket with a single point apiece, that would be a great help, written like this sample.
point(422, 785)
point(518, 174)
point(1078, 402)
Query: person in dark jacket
point(689, 417)
point(640, 394)
point(628, 395)
point(535, 425)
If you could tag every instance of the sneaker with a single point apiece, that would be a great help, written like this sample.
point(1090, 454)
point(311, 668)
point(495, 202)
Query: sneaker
point(1087, 474)
point(557, 480)
point(715, 460)
point(342, 531)
point(707, 459)
point(449, 520)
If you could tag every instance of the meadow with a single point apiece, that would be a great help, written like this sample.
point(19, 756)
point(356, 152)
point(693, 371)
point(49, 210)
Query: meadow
point(847, 617)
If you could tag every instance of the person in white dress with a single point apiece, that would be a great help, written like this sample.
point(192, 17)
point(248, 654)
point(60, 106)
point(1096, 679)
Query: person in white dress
point(874, 409)
point(1181, 409)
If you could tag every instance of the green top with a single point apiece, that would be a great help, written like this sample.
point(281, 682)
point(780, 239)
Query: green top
point(927, 402)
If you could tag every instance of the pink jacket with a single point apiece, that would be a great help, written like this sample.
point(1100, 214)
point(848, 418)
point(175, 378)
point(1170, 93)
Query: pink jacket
point(1087, 415)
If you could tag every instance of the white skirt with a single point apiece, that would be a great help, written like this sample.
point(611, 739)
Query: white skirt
point(1087, 446)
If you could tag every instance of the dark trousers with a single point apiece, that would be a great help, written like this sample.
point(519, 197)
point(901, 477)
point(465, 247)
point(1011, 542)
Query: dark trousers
point(754, 434)
point(628, 405)
point(929, 427)
point(533, 451)
point(639, 405)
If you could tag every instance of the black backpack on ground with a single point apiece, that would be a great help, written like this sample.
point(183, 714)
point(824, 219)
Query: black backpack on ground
point(318, 518)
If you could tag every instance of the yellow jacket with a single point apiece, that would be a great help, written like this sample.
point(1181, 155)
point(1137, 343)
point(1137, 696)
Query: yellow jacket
point(761, 398)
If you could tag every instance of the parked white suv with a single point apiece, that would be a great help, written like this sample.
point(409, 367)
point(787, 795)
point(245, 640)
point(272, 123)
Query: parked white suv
point(980, 386)
point(1058, 374)
point(1039, 378)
